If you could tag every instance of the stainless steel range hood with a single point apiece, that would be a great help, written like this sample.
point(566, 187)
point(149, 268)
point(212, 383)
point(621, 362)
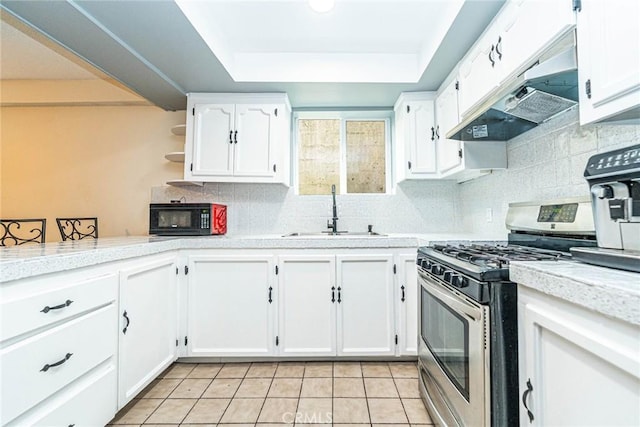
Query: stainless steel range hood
point(543, 91)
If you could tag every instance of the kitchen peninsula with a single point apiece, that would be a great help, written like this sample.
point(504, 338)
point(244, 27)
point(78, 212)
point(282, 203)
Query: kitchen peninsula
point(114, 301)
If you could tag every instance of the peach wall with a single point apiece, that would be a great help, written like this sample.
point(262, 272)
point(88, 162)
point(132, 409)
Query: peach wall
point(86, 161)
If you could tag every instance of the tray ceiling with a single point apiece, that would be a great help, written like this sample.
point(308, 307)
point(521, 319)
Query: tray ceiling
point(363, 53)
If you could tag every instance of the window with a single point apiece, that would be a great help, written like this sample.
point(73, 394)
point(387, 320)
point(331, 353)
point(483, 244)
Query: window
point(348, 149)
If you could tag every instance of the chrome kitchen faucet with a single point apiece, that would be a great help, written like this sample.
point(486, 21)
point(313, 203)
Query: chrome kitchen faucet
point(332, 224)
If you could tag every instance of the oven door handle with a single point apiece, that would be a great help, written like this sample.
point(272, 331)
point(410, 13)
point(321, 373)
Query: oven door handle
point(445, 295)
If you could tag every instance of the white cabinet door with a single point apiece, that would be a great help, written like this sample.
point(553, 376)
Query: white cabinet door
point(577, 367)
point(447, 118)
point(148, 324)
point(407, 306)
point(307, 305)
point(521, 31)
point(238, 138)
point(420, 135)
point(365, 305)
point(231, 301)
point(527, 27)
point(213, 139)
point(478, 74)
point(254, 137)
point(609, 58)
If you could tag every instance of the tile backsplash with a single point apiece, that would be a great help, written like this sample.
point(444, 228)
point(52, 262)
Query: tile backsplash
point(543, 164)
point(416, 207)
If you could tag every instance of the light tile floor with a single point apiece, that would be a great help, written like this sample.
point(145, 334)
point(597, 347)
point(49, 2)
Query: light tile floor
point(285, 393)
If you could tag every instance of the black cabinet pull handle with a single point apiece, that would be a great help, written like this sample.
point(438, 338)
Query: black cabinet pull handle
point(46, 367)
point(402, 289)
point(235, 137)
point(124, 331)
point(230, 137)
point(333, 294)
point(270, 289)
point(438, 131)
point(409, 165)
point(498, 48)
point(47, 309)
point(524, 399)
point(433, 133)
point(339, 295)
point(493, 62)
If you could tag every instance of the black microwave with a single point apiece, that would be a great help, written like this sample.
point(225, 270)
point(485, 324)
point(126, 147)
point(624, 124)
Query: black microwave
point(187, 219)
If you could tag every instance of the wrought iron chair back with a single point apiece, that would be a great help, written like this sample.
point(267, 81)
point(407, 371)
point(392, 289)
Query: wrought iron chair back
point(77, 228)
point(20, 231)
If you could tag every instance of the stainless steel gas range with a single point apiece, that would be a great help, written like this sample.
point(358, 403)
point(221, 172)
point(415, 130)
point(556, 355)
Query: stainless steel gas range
point(468, 343)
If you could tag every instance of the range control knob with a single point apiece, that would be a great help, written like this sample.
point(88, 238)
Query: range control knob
point(605, 192)
point(459, 281)
point(437, 269)
point(426, 264)
point(447, 276)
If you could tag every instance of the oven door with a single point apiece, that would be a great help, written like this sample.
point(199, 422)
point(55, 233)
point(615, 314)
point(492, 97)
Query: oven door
point(453, 355)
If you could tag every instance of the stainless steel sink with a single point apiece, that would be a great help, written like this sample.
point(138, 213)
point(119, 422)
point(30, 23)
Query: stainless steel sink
point(338, 234)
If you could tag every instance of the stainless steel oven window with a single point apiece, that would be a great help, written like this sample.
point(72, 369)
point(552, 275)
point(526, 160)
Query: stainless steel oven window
point(446, 334)
point(174, 219)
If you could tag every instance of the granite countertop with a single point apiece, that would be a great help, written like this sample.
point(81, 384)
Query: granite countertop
point(615, 293)
point(19, 262)
point(612, 292)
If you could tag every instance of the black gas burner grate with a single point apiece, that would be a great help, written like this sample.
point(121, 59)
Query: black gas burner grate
point(494, 256)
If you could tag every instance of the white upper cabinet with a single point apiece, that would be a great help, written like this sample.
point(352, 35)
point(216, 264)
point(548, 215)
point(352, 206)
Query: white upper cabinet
point(238, 138)
point(446, 119)
point(527, 27)
point(519, 33)
point(478, 74)
point(609, 60)
point(213, 126)
point(415, 136)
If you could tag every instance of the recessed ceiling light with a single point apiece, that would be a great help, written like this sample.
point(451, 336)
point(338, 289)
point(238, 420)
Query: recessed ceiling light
point(321, 6)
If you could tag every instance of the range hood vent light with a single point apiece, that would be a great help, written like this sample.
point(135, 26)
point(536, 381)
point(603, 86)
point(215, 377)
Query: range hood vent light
point(537, 106)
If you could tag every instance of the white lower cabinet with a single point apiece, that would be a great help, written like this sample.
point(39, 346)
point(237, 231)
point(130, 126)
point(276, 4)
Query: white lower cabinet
point(365, 305)
point(85, 403)
point(577, 367)
point(307, 305)
point(231, 305)
point(92, 339)
point(406, 290)
point(64, 340)
point(148, 322)
point(337, 305)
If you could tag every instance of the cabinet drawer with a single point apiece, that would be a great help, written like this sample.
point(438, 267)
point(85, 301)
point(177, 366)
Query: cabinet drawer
point(29, 311)
point(36, 367)
point(90, 402)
